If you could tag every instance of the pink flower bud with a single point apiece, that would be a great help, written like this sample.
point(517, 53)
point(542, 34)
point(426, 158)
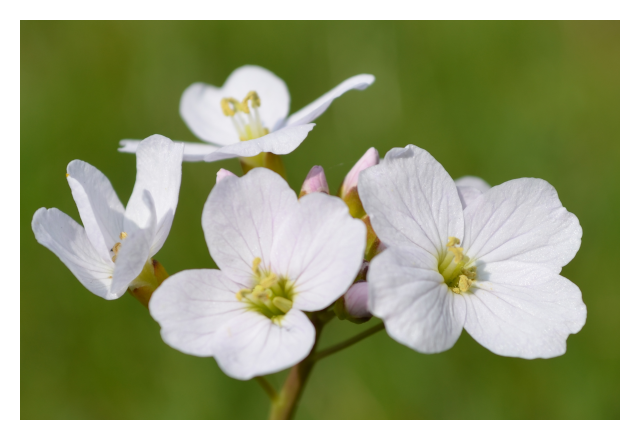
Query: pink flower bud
point(222, 173)
point(315, 182)
point(355, 300)
point(369, 159)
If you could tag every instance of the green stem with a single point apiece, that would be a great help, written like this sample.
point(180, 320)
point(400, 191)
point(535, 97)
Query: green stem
point(270, 390)
point(349, 342)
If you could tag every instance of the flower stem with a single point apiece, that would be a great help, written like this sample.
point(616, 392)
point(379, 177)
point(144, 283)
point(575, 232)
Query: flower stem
point(357, 338)
point(270, 390)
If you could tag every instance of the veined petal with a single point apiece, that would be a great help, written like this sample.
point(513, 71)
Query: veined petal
point(320, 247)
point(67, 239)
point(191, 306)
point(523, 310)
point(250, 344)
point(282, 141)
point(521, 220)
point(136, 248)
point(469, 188)
point(98, 204)
point(193, 151)
point(411, 200)
point(318, 107)
point(409, 295)
point(242, 216)
point(159, 164)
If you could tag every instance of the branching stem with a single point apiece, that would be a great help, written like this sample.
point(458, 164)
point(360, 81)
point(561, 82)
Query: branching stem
point(349, 342)
point(269, 389)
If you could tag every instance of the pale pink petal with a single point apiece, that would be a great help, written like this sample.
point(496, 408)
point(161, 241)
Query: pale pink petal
point(315, 181)
point(222, 173)
point(356, 300)
point(369, 159)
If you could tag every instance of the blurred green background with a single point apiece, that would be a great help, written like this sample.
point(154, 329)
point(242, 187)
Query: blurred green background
point(500, 100)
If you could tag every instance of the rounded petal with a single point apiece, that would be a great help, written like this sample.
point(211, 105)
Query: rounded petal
point(356, 300)
point(320, 247)
point(200, 104)
point(100, 208)
point(190, 307)
point(241, 217)
point(249, 344)
point(521, 220)
point(316, 108)
point(523, 310)
point(67, 239)
point(193, 151)
point(411, 200)
point(469, 188)
point(282, 141)
point(409, 295)
point(159, 165)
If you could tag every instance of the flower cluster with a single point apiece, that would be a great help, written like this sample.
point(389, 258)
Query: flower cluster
point(401, 241)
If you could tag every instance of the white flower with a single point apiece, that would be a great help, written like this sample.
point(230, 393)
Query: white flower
point(248, 115)
point(492, 268)
point(113, 250)
point(278, 257)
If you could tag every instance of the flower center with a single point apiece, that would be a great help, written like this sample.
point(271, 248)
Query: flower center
point(271, 295)
point(456, 268)
point(245, 117)
point(116, 247)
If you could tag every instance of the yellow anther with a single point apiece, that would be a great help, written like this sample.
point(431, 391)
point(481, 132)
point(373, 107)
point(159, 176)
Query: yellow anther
point(123, 235)
point(269, 281)
point(239, 295)
point(458, 253)
point(68, 175)
point(282, 303)
point(226, 108)
point(455, 290)
point(470, 273)
point(453, 241)
point(464, 283)
point(255, 264)
point(115, 249)
point(254, 98)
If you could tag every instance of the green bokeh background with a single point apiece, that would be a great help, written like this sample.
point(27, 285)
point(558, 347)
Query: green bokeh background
point(500, 100)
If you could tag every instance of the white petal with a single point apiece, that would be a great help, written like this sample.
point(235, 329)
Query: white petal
point(408, 293)
point(320, 247)
point(100, 209)
point(136, 247)
point(250, 344)
point(411, 200)
point(523, 310)
point(282, 141)
point(200, 104)
point(67, 239)
point(318, 107)
point(193, 152)
point(469, 188)
point(241, 217)
point(159, 164)
point(190, 307)
point(521, 220)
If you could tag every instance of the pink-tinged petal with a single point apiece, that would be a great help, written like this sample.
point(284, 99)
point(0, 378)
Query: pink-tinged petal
point(356, 300)
point(316, 108)
point(67, 239)
point(241, 218)
point(315, 181)
point(521, 220)
point(320, 248)
point(523, 310)
point(250, 345)
point(369, 159)
point(191, 306)
point(193, 152)
point(411, 200)
point(200, 104)
point(283, 141)
point(409, 295)
point(469, 188)
point(100, 208)
point(222, 173)
point(159, 171)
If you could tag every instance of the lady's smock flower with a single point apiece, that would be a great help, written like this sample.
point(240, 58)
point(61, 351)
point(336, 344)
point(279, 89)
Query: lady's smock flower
point(278, 257)
point(492, 268)
point(113, 251)
point(248, 115)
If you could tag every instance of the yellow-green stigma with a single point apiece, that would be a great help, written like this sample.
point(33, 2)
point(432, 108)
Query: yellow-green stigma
point(271, 295)
point(456, 268)
point(245, 116)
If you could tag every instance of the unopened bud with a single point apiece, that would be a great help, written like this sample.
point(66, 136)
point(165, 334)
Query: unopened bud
point(349, 188)
point(222, 173)
point(374, 246)
point(316, 181)
point(355, 300)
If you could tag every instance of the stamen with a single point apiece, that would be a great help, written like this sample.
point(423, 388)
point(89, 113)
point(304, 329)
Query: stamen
point(123, 235)
point(68, 175)
point(245, 119)
point(255, 264)
point(455, 268)
point(283, 304)
point(115, 249)
point(453, 241)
